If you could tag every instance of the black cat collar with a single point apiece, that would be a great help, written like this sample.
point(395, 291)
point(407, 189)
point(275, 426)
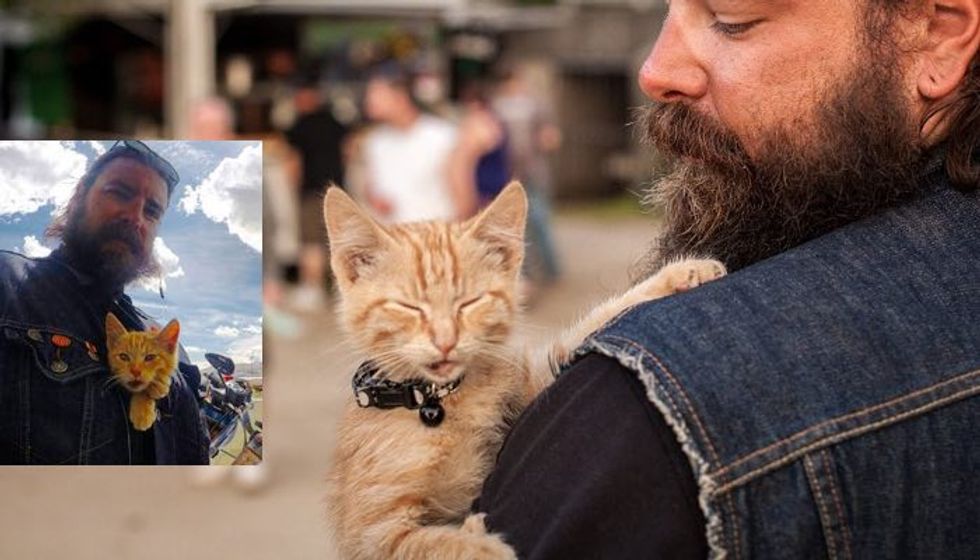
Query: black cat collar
point(372, 390)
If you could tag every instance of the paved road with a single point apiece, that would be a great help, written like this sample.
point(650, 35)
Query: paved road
point(104, 513)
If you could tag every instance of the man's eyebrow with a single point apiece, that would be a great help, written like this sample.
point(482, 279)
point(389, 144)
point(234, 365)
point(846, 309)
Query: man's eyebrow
point(120, 183)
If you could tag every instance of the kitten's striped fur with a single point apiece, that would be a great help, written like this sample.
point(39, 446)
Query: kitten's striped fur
point(438, 300)
point(142, 363)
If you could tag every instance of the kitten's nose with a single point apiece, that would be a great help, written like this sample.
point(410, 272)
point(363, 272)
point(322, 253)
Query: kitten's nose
point(445, 342)
point(444, 337)
point(446, 346)
point(135, 372)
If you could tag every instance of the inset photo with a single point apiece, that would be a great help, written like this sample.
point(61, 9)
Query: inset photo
point(130, 302)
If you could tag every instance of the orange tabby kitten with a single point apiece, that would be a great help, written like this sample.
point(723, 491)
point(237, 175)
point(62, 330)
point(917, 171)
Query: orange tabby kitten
point(435, 303)
point(142, 362)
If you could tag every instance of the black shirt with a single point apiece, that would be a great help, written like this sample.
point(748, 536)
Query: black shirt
point(591, 470)
point(318, 137)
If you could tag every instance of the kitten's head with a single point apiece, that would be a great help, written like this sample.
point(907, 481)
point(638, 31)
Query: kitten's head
point(138, 358)
point(429, 298)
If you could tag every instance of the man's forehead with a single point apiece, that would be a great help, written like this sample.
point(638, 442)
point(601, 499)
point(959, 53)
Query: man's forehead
point(137, 175)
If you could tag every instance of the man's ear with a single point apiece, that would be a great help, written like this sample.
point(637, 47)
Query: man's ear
point(950, 46)
point(355, 238)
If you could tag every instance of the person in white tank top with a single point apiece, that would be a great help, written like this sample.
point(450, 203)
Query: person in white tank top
point(407, 156)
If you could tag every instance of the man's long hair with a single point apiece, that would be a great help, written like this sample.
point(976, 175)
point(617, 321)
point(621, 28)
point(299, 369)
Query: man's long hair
point(56, 229)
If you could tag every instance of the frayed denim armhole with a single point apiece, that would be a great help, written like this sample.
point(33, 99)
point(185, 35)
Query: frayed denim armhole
point(631, 357)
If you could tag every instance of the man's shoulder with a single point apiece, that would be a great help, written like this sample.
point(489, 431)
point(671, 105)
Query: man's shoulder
point(16, 266)
point(864, 289)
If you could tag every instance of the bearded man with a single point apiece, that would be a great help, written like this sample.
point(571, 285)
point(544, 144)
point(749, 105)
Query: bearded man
point(821, 400)
point(57, 402)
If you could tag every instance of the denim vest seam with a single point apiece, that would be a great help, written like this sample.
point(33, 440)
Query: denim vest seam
point(838, 500)
point(823, 482)
point(895, 401)
point(722, 527)
point(85, 433)
point(838, 437)
point(25, 404)
point(825, 521)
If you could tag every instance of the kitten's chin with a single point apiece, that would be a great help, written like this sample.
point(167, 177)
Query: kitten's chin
point(137, 386)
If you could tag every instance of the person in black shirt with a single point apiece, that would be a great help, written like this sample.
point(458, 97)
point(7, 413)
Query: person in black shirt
point(317, 139)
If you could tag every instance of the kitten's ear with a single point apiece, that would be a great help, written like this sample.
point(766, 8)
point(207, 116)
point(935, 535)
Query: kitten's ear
point(168, 335)
point(355, 238)
point(113, 328)
point(501, 225)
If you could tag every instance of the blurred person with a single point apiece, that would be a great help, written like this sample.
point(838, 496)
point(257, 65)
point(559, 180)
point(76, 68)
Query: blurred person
point(482, 159)
point(822, 399)
point(316, 138)
point(408, 155)
point(211, 118)
point(57, 402)
point(533, 136)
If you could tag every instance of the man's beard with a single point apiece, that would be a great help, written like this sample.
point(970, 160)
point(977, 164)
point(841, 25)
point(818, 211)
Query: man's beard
point(860, 154)
point(113, 253)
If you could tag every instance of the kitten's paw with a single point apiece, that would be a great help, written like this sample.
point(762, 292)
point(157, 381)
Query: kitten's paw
point(491, 547)
point(486, 546)
point(159, 389)
point(688, 274)
point(142, 412)
point(474, 524)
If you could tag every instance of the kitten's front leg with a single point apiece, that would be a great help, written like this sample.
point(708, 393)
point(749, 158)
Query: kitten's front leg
point(469, 542)
point(142, 411)
point(159, 388)
point(673, 278)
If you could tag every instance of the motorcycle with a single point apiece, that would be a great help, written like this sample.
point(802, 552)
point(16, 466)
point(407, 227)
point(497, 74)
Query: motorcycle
point(226, 402)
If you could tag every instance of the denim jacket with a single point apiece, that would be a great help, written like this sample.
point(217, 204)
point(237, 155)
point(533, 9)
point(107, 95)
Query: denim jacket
point(57, 402)
point(827, 398)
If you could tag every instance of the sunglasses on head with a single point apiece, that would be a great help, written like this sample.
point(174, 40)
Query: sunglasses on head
point(151, 158)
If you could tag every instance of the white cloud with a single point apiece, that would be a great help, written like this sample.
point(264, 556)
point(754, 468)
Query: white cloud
point(35, 174)
point(169, 267)
point(246, 349)
point(232, 195)
point(98, 147)
point(33, 247)
point(226, 331)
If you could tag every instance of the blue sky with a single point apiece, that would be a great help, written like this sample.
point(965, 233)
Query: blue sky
point(209, 243)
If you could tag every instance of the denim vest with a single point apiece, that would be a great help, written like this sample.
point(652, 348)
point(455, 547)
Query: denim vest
point(57, 402)
point(827, 398)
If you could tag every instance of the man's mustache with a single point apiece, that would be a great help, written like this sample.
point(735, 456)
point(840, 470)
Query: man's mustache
point(678, 131)
point(121, 231)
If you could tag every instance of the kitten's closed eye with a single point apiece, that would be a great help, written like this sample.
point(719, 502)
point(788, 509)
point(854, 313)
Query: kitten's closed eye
point(150, 357)
point(124, 357)
point(470, 303)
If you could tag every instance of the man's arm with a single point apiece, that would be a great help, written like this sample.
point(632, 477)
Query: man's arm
point(591, 470)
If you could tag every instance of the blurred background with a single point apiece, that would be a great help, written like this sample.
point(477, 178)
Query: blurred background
point(419, 109)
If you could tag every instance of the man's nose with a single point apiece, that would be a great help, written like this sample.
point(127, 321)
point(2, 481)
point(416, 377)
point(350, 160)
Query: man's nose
point(133, 214)
point(671, 73)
